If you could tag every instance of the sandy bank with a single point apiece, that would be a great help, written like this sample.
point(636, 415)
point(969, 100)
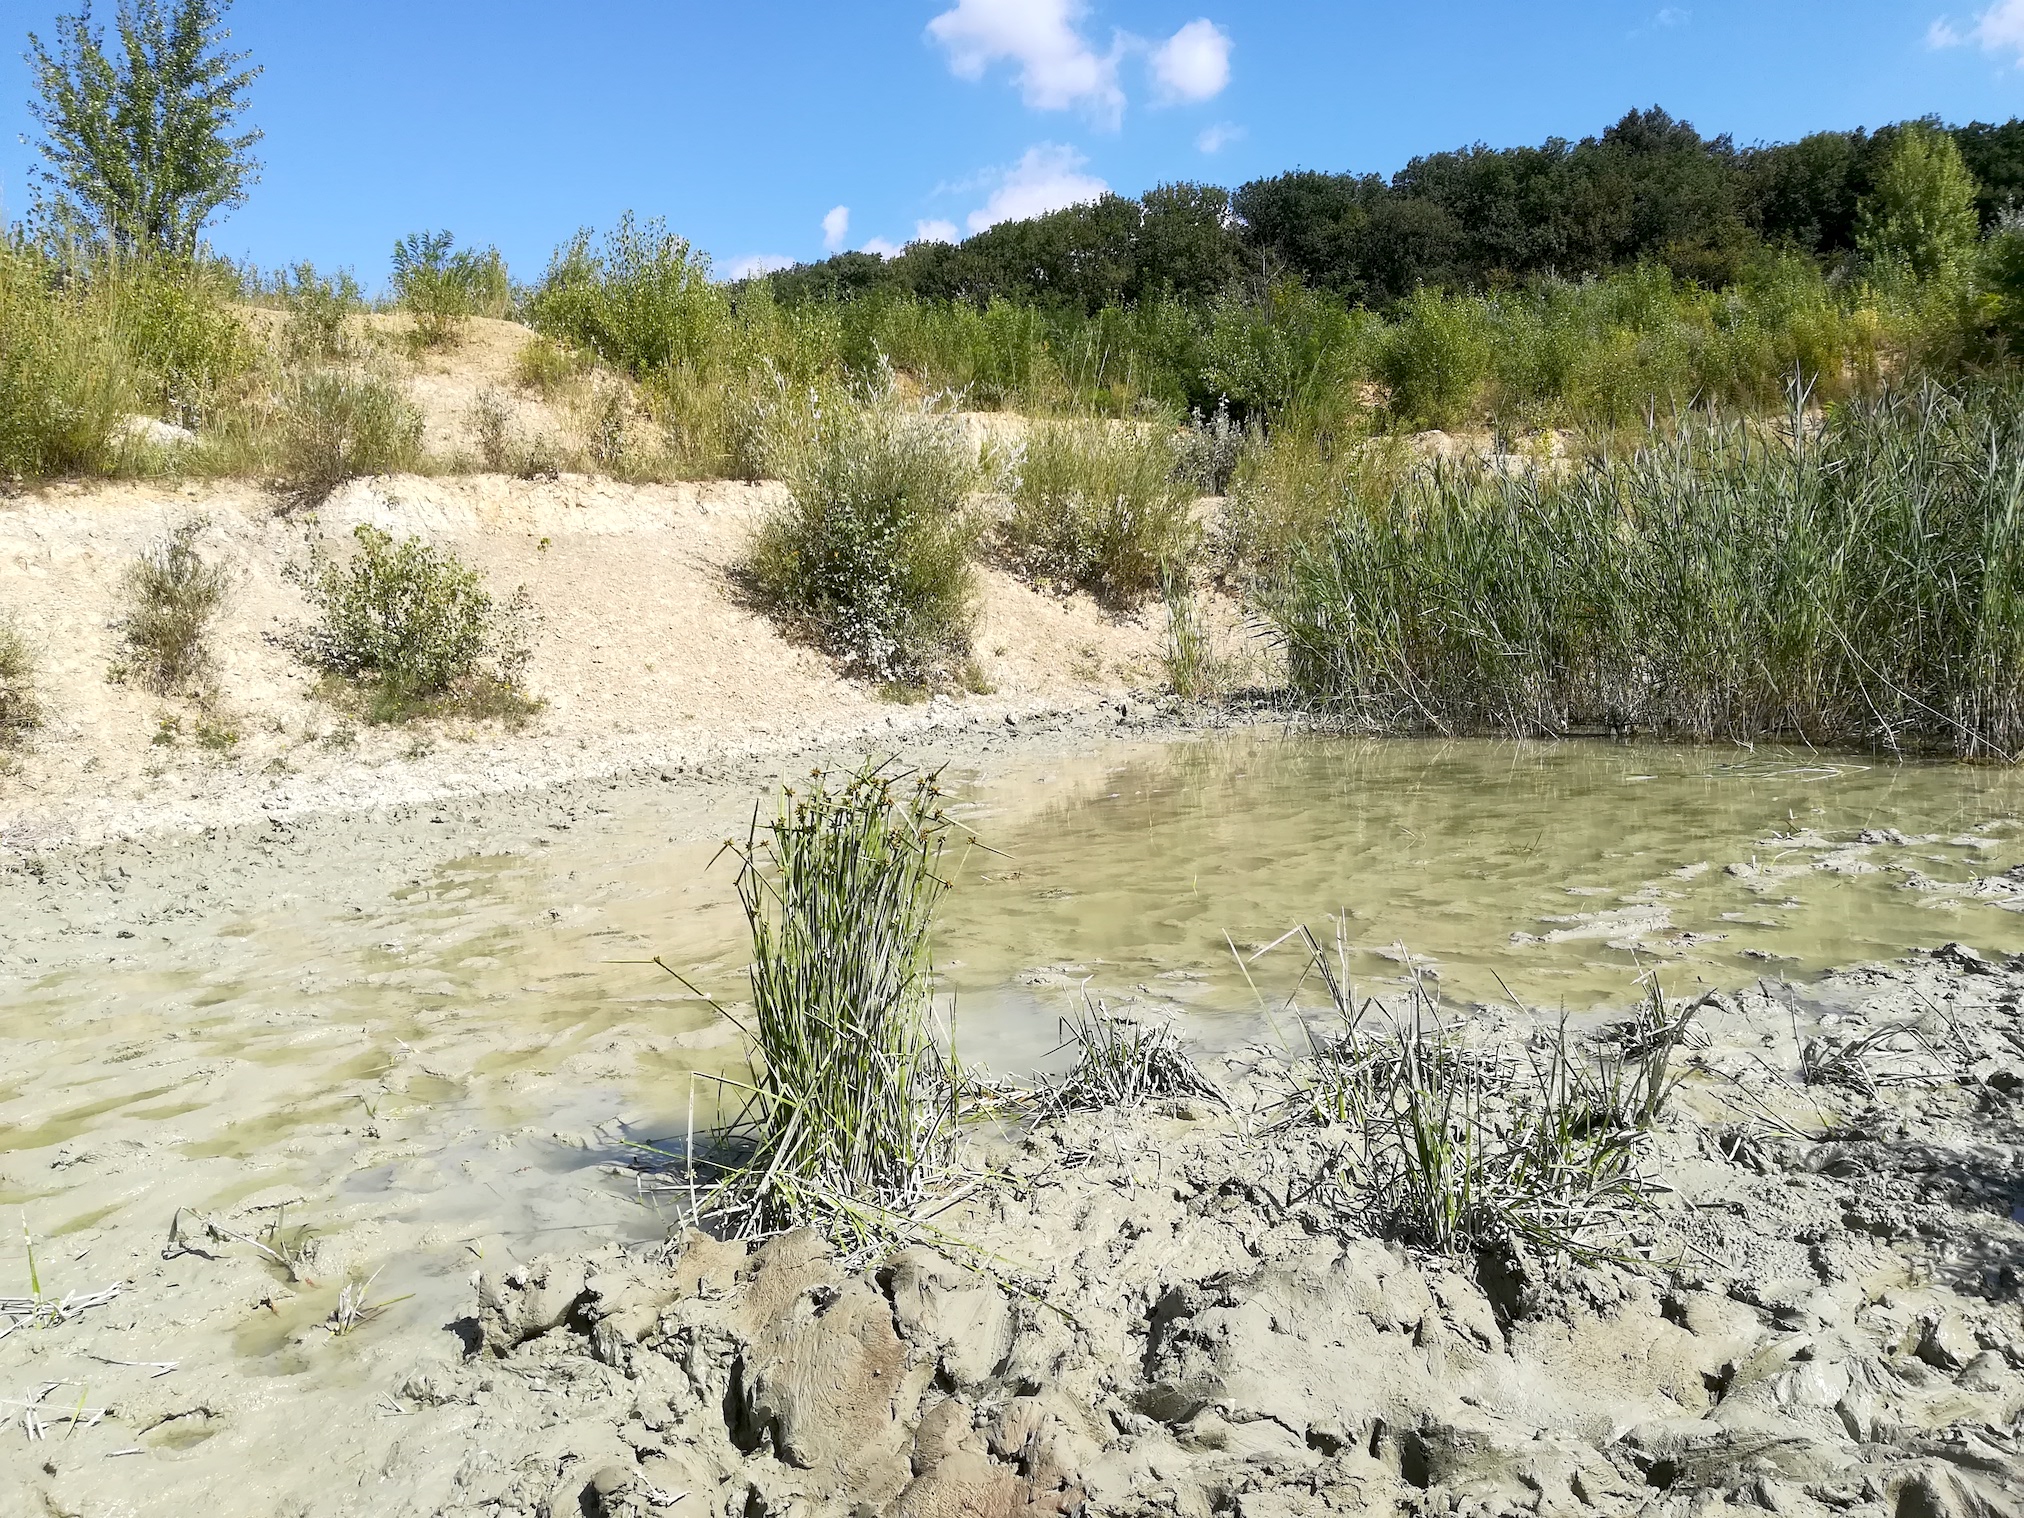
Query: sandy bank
point(643, 654)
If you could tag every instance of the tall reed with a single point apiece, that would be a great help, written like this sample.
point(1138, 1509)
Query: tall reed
point(850, 1113)
point(1859, 580)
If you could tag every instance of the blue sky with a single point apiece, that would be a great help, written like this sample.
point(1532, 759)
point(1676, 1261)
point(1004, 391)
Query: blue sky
point(779, 130)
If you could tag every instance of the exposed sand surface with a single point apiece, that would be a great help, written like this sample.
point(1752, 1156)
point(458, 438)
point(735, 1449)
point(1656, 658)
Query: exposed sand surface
point(644, 652)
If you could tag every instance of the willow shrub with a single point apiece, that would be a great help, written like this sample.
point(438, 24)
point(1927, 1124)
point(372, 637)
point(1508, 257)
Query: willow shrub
point(870, 555)
point(1863, 585)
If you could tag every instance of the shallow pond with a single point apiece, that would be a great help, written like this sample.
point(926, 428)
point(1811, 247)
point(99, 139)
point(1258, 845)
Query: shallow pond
point(414, 1069)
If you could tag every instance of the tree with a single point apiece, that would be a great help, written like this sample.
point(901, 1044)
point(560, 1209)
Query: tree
point(141, 150)
point(1921, 213)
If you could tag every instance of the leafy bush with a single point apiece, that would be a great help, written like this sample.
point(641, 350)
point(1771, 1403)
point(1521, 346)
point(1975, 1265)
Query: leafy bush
point(545, 366)
point(871, 555)
point(340, 423)
point(1208, 453)
point(20, 703)
point(415, 626)
point(172, 594)
point(642, 302)
point(442, 286)
point(318, 309)
point(1100, 505)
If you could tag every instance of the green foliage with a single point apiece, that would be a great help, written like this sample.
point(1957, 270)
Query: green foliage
point(1436, 360)
point(20, 702)
point(172, 594)
point(412, 624)
point(1921, 214)
point(140, 149)
point(319, 307)
point(851, 1109)
point(441, 286)
point(641, 302)
point(871, 554)
point(1100, 505)
point(340, 423)
point(1863, 586)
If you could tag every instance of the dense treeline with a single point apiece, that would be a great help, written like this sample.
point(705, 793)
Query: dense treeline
point(1650, 189)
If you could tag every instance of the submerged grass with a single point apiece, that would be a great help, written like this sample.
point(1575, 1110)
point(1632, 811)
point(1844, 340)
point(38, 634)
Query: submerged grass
point(1857, 579)
point(850, 1115)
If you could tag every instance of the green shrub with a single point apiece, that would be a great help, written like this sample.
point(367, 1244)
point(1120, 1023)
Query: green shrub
point(545, 366)
point(1436, 360)
point(442, 286)
point(319, 309)
point(337, 424)
point(871, 555)
point(20, 702)
point(1100, 505)
point(415, 627)
point(641, 302)
point(172, 594)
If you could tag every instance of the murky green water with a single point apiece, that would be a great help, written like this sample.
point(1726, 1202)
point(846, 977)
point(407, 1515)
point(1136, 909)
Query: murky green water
point(409, 1053)
point(1561, 871)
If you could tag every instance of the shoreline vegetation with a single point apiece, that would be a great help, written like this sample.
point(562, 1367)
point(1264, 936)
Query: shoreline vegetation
point(1743, 467)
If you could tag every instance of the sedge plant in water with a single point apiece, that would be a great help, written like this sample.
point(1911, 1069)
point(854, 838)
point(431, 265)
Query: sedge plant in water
point(850, 1113)
point(1456, 1147)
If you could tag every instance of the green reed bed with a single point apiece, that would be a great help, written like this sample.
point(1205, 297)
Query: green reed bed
point(1859, 580)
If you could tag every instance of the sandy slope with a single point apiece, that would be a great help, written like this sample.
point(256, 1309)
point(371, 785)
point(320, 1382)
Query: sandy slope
point(642, 651)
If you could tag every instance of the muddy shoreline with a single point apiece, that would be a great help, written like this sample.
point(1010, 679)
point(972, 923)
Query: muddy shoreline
point(1827, 1321)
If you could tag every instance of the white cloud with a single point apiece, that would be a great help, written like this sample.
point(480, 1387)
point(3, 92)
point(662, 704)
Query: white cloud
point(1999, 29)
point(835, 228)
point(1058, 69)
point(1194, 63)
point(758, 263)
point(1218, 137)
point(1047, 178)
point(935, 231)
point(881, 246)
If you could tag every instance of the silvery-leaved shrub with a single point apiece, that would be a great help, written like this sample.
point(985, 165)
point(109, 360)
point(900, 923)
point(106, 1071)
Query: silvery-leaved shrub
point(412, 624)
point(871, 554)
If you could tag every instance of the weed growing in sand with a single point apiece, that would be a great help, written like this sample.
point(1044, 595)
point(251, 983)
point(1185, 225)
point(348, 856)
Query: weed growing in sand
point(1123, 1062)
point(492, 424)
point(850, 1114)
point(337, 424)
point(546, 367)
point(871, 556)
point(1100, 505)
point(172, 594)
point(20, 702)
point(413, 630)
point(1456, 1147)
point(318, 309)
point(1193, 669)
point(442, 286)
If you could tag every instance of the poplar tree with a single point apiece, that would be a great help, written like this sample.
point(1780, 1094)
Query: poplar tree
point(142, 147)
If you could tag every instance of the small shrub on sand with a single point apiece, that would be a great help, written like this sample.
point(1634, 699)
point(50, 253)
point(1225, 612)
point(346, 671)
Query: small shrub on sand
point(319, 308)
point(850, 1113)
point(546, 367)
point(172, 594)
point(337, 424)
point(871, 556)
point(1101, 506)
point(442, 286)
point(414, 630)
point(20, 703)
